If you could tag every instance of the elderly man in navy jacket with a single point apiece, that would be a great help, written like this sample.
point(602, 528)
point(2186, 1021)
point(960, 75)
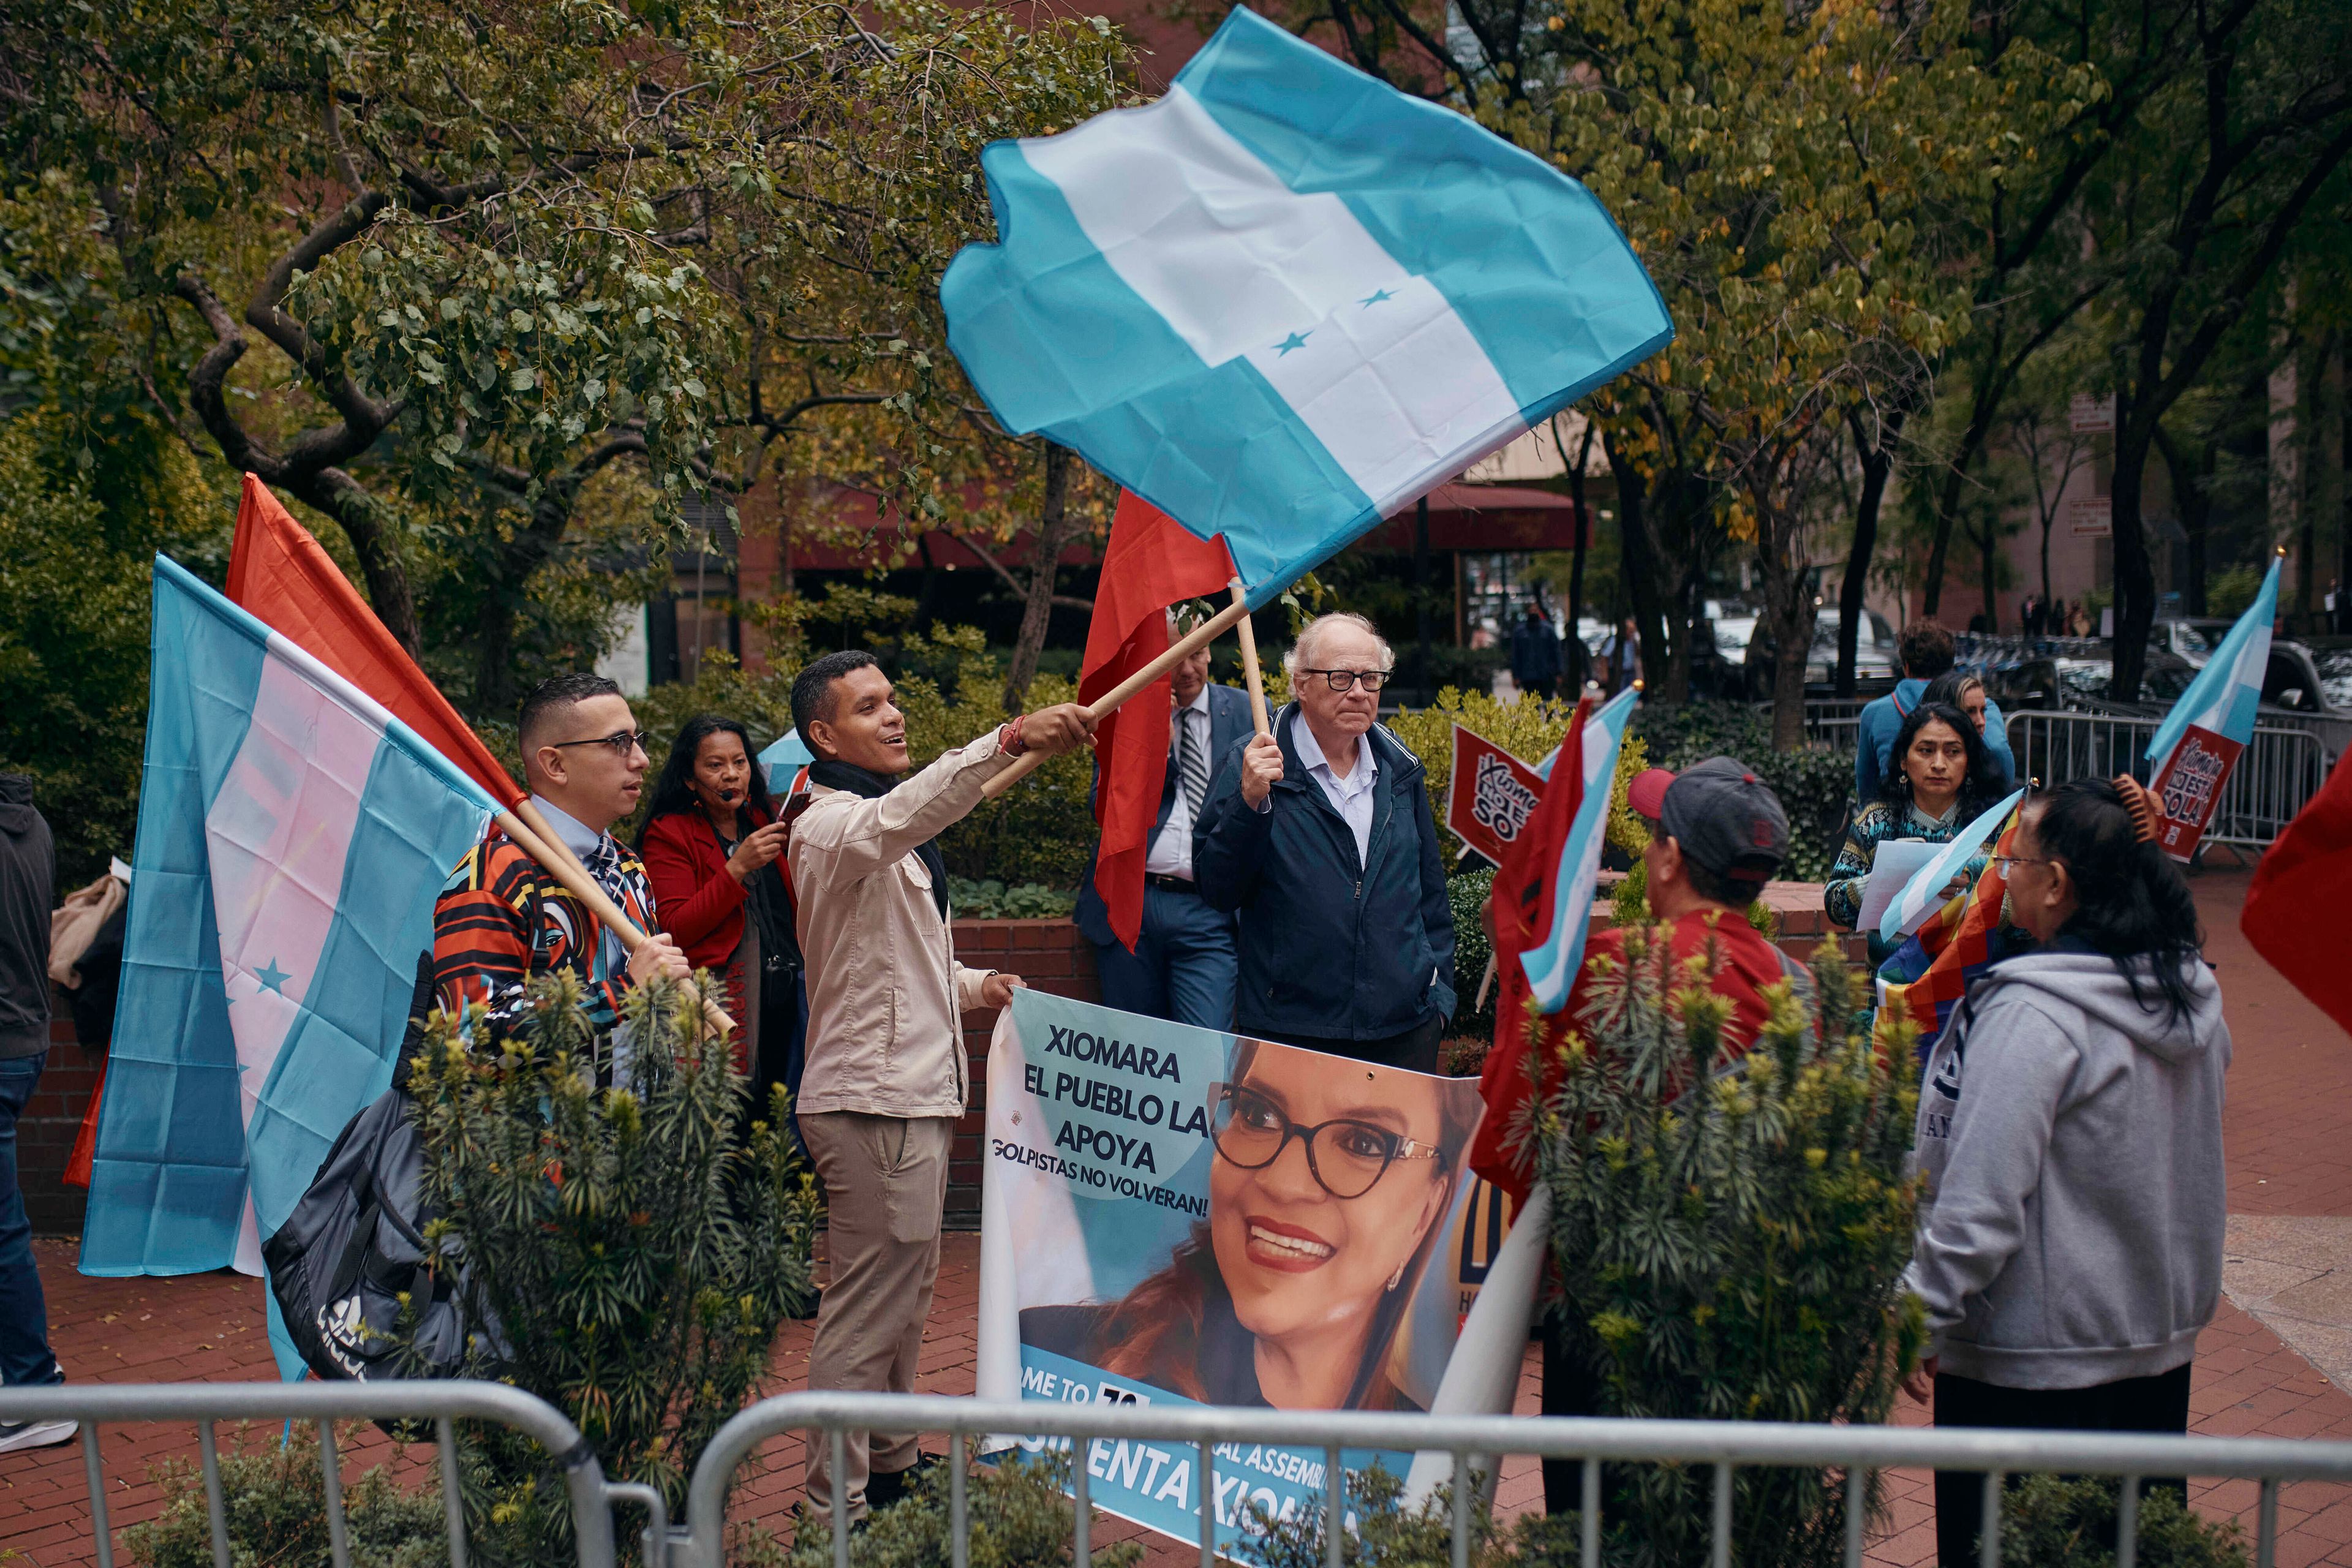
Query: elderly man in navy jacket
point(1320, 836)
point(1183, 967)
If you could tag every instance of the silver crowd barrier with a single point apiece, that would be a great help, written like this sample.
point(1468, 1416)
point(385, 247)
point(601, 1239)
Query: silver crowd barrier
point(1723, 1445)
point(2274, 779)
point(94, 1405)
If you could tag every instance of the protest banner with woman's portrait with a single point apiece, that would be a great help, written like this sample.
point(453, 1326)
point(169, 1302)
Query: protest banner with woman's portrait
point(1175, 1215)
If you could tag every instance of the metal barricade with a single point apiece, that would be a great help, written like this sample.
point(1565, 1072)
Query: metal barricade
point(2276, 775)
point(1724, 1445)
point(442, 1403)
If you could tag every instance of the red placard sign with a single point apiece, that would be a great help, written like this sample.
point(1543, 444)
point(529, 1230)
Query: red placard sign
point(2190, 787)
point(1491, 797)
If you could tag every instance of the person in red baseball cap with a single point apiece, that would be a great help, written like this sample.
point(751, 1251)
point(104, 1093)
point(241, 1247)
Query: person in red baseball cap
point(1717, 833)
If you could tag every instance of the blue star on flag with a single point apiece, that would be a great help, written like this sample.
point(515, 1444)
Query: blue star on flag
point(1378, 295)
point(1295, 341)
point(271, 977)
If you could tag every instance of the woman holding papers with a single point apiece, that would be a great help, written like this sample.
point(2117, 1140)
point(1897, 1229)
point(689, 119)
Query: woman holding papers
point(1942, 779)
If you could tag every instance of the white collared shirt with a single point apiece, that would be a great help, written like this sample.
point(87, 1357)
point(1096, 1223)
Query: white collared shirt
point(1170, 854)
point(1351, 796)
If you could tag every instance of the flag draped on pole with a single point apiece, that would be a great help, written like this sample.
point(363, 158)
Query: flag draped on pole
point(1286, 300)
point(2194, 749)
point(1929, 974)
point(292, 835)
point(1544, 891)
point(286, 579)
point(1149, 563)
point(2294, 909)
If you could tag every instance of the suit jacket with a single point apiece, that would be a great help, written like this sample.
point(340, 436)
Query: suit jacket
point(1229, 725)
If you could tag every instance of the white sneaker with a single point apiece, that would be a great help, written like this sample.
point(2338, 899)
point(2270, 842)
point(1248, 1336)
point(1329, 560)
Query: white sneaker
point(15, 1435)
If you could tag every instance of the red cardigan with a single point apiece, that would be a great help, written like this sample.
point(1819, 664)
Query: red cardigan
point(699, 905)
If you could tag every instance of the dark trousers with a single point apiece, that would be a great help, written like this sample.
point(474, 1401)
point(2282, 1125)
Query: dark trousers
point(1569, 1389)
point(1415, 1050)
point(1185, 967)
point(25, 1354)
point(2159, 1404)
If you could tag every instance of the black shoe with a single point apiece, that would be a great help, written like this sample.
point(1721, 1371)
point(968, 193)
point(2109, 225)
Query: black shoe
point(808, 1315)
point(884, 1488)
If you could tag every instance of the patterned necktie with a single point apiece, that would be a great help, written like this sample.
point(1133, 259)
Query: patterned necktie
point(1191, 763)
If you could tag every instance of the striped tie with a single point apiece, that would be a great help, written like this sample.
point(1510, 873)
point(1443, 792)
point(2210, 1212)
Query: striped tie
point(1191, 763)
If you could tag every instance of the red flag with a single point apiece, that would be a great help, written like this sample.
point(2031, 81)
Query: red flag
point(2307, 872)
point(1150, 563)
point(1525, 893)
point(290, 582)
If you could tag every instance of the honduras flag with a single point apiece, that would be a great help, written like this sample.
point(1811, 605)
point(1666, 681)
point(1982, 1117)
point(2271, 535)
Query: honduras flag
point(2224, 697)
point(1552, 965)
point(1286, 300)
point(292, 837)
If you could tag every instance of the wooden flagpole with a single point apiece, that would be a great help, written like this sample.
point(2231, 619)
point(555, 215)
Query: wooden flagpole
point(1198, 638)
point(1247, 635)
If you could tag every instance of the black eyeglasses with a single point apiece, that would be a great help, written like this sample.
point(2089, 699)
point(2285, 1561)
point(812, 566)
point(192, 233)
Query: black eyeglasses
point(2005, 865)
point(1345, 1156)
point(1347, 679)
point(623, 742)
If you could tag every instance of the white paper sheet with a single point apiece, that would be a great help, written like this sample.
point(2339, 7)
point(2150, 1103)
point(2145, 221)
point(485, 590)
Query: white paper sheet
point(1891, 871)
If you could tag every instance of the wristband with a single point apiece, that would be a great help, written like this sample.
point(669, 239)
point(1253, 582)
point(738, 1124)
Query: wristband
point(1008, 740)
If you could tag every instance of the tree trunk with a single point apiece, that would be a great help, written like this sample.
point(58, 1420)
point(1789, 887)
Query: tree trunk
point(1421, 618)
point(2191, 471)
point(1877, 463)
point(1579, 657)
point(1053, 529)
point(1789, 611)
point(2135, 580)
point(344, 499)
point(1635, 563)
point(1989, 547)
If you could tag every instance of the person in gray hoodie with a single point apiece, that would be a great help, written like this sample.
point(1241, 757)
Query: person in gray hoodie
point(2069, 1249)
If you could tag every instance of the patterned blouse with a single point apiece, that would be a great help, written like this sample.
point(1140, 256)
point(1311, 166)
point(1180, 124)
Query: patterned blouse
point(1873, 826)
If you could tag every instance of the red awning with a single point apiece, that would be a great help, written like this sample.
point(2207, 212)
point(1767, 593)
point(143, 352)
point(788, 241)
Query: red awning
point(1484, 517)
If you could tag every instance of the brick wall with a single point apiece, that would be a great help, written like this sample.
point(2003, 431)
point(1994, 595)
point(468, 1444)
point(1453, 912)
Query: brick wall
point(1050, 956)
point(45, 1134)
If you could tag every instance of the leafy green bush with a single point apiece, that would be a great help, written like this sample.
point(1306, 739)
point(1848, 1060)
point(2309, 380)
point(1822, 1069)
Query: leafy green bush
point(274, 1496)
point(2054, 1519)
point(1468, 893)
point(1020, 1518)
point(993, 900)
point(1729, 1248)
point(1386, 1533)
point(636, 1258)
point(1813, 784)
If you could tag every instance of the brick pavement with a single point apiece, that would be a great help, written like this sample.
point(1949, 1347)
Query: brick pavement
point(2288, 1155)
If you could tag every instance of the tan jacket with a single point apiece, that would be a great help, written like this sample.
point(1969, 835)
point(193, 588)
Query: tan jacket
point(884, 992)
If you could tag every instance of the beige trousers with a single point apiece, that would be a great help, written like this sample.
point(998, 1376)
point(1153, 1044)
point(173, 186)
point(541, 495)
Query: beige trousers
point(886, 1183)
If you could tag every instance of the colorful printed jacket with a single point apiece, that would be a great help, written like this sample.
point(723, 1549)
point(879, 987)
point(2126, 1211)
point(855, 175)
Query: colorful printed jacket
point(500, 919)
point(1873, 825)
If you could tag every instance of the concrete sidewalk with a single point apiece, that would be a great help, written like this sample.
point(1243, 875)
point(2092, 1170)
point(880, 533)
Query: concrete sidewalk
point(2266, 1366)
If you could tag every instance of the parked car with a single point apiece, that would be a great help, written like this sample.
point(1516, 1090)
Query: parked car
point(2309, 685)
point(1874, 669)
point(2186, 639)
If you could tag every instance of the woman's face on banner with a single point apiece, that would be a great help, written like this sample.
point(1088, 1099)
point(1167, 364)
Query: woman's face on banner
point(1296, 1258)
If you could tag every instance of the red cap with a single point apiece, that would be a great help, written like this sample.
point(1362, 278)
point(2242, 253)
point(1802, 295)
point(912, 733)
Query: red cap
point(1647, 793)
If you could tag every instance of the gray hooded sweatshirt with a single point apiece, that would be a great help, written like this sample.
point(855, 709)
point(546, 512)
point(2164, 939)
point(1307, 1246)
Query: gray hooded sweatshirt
point(2072, 1140)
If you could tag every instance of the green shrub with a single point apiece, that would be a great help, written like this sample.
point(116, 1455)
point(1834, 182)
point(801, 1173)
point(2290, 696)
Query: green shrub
point(1729, 1248)
point(993, 900)
point(2052, 1519)
point(1471, 951)
point(1386, 1533)
point(1020, 1518)
point(1813, 784)
point(637, 1260)
point(274, 1496)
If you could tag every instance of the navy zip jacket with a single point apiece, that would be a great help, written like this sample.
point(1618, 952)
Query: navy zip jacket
point(1330, 948)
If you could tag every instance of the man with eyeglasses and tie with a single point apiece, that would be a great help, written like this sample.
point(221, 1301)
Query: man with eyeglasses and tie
point(1183, 967)
point(501, 919)
point(1320, 836)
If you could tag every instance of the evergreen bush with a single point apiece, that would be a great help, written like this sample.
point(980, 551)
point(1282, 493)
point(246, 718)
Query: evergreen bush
point(1019, 1512)
point(2053, 1519)
point(1814, 783)
point(274, 1500)
point(1727, 1242)
point(634, 1249)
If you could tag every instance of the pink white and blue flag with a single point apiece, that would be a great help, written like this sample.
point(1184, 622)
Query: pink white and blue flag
point(292, 837)
point(1551, 967)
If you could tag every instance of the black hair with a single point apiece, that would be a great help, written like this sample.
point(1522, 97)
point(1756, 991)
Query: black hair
point(1719, 888)
point(2131, 901)
point(812, 688)
point(1981, 785)
point(555, 694)
point(673, 791)
point(1925, 648)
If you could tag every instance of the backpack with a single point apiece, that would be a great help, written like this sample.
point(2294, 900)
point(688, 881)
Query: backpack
point(354, 1246)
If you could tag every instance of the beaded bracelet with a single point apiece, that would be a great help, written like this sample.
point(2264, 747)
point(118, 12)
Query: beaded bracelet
point(1008, 740)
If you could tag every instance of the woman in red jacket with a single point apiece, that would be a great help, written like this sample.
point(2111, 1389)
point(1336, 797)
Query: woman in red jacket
point(712, 845)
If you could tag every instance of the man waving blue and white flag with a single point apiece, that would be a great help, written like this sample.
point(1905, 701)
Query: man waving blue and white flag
point(1287, 299)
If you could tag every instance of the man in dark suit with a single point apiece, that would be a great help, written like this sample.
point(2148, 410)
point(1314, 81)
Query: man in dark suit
point(1183, 967)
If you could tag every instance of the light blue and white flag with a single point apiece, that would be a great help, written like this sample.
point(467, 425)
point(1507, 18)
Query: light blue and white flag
point(1927, 890)
point(1286, 300)
point(292, 837)
point(1551, 968)
point(784, 758)
point(2227, 692)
